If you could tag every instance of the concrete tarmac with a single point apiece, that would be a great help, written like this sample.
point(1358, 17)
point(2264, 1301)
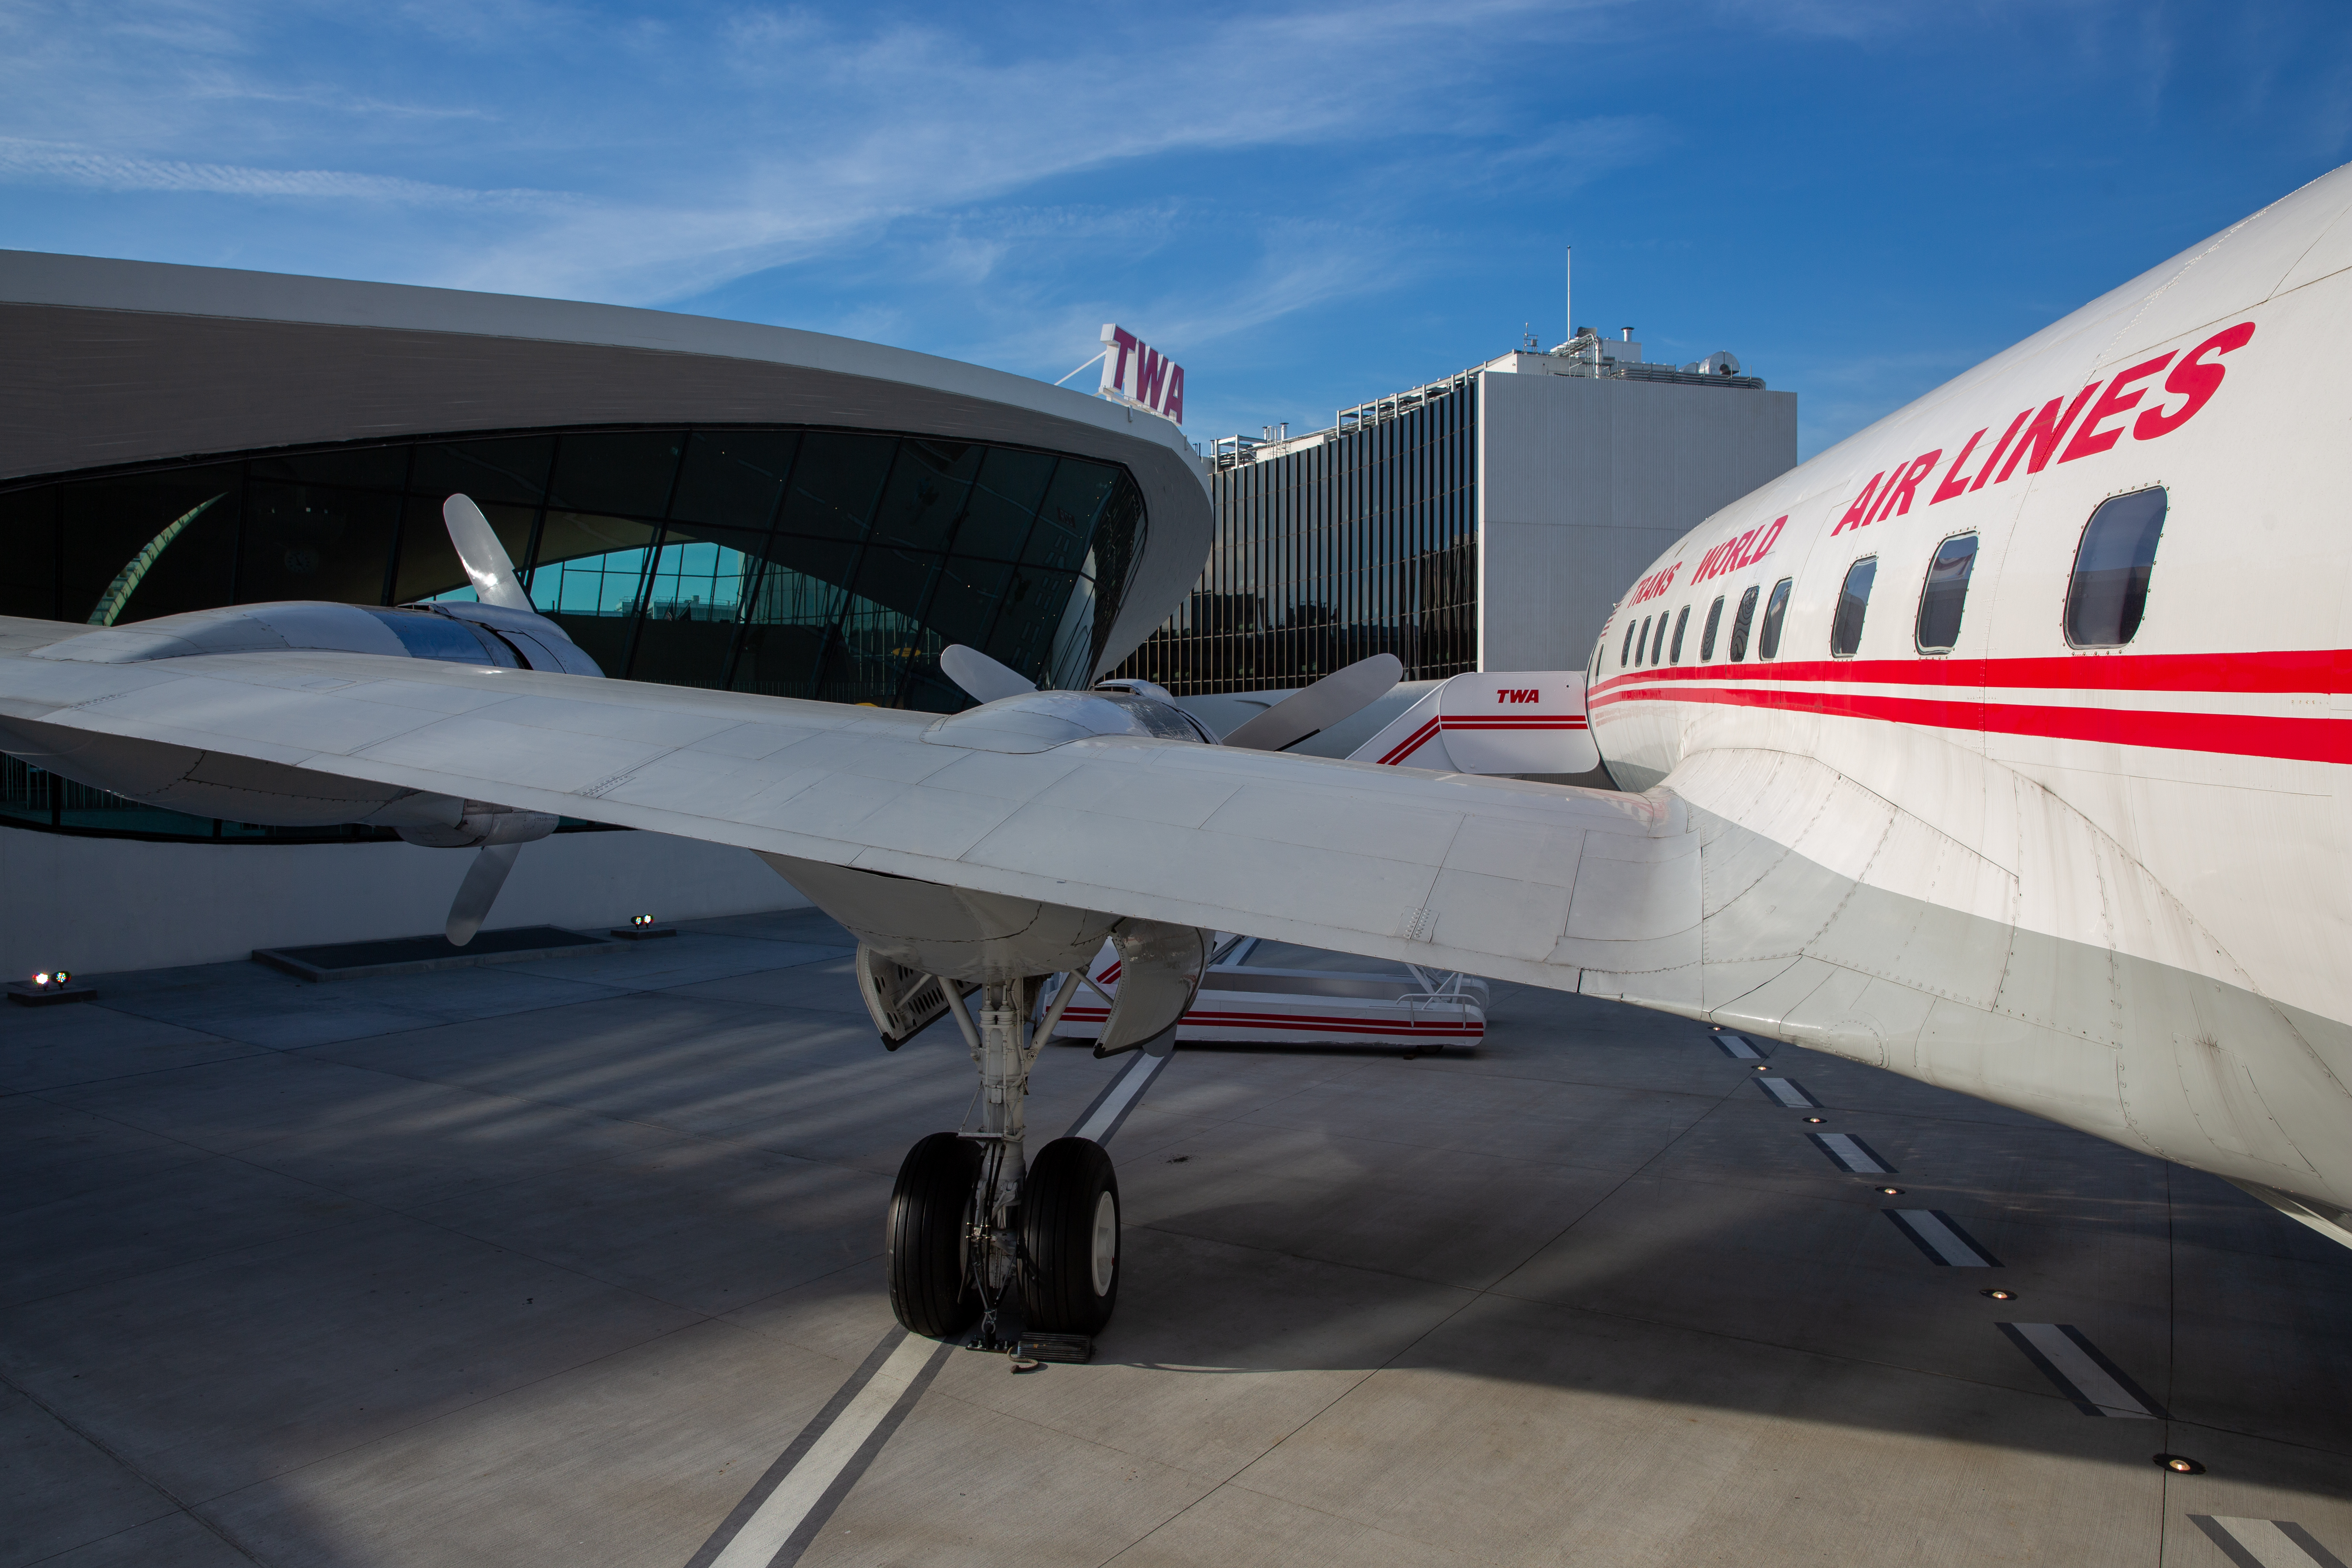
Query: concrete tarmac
point(564, 1261)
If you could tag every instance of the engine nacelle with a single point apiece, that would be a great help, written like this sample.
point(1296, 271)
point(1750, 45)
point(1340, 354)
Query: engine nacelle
point(239, 789)
point(481, 825)
point(458, 633)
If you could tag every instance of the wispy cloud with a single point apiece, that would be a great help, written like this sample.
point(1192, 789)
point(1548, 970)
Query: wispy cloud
point(93, 169)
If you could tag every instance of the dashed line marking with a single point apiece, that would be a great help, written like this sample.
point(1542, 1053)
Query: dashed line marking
point(1786, 1091)
point(1848, 1152)
point(2096, 1385)
point(1736, 1047)
point(2264, 1543)
point(1940, 1236)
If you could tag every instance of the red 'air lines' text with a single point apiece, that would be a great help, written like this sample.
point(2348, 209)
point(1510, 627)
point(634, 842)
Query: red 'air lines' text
point(2195, 379)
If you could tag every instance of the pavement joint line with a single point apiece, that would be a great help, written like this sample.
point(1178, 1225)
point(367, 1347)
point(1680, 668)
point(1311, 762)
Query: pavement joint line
point(131, 1467)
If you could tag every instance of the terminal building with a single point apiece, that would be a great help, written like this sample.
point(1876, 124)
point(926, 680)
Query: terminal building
point(697, 502)
point(1486, 522)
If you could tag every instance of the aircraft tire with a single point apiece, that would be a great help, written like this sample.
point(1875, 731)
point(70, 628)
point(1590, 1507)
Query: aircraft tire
point(1069, 1238)
point(931, 1289)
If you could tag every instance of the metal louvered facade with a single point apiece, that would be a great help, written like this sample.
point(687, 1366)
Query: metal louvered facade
point(1486, 520)
point(1332, 547)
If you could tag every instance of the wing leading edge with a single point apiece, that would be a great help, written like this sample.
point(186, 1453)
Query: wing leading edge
point(1518, 881)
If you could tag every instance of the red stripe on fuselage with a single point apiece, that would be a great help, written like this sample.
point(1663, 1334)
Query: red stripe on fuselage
point(2299, 670)
point(2232, 734)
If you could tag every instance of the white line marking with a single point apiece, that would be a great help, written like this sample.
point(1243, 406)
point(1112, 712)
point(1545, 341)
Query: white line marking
point(2089, 1378)
point(2264, 1541)
point(1929, 1228)
point(1736, 1047)
point(765, 1533)
point(1787, 1093)
point(1849, 1153)
point(1102, 1118)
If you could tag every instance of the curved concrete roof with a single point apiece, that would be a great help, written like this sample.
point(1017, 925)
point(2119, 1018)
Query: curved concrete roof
point(122, 362)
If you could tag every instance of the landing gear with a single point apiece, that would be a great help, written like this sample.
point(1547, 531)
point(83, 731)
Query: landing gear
point(977, 1231)
point(1069, 1238)
point(930, 1219)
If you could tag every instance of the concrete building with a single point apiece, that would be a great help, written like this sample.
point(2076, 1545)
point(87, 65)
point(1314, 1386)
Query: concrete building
point(697, 502)
point(1486, 520)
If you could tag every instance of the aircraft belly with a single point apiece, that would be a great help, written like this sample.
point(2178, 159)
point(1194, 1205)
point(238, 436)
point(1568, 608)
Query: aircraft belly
point(1910, 954)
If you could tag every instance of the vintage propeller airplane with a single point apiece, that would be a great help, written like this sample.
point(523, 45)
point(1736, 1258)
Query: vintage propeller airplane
point(2002, 745)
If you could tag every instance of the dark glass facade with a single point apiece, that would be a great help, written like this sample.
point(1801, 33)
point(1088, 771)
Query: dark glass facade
point(1363, 541)
point(791, 561)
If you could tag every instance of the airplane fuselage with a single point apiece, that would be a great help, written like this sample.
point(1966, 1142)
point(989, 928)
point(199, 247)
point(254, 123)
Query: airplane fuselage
point(2036, 688)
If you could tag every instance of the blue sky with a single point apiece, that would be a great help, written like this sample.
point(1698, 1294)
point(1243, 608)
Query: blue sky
point(1306, 206)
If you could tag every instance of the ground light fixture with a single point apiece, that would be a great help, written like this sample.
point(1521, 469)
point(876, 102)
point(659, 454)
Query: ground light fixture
point(1997, 1294)
point(1892, 1192)
point(2180, 1464)
point(641, 921)
point(1817, 1118)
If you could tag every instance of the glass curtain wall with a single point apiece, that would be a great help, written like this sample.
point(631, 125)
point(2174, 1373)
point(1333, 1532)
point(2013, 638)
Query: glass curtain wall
point(1361, 542)
point(789, 561)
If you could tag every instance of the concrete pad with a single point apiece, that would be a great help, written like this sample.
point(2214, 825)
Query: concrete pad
point(632, 1459)
point(257, 1005)
point(1596, 1439)
point(558, 1269)
point(41, 1049)
point(160, 1219)
point(1441, 1215)
point(1043, 1500)
point(1183, 1379)
point(247, 1363)
point(181, 1540)
point(1234, 1524)
point(62, 1490)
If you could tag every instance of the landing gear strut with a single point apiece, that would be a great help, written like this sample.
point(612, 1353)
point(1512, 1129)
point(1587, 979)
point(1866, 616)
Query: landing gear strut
point(976, 1230)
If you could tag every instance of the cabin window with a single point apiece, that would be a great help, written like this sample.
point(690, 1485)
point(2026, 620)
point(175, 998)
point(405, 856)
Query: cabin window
point(1642, 643)
point(1739, 625)
point(1776, 610)
point(1658, 640)
point(1853, 603)
point(1706, 636)
point(1625, 652)
point(2108, 592)
point(1945, 592)
point(1682, 624)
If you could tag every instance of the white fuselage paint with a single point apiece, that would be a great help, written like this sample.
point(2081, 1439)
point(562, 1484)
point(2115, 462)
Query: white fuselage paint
point(2125, 867)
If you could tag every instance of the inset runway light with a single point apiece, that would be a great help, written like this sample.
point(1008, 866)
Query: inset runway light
point(1817, 1118)
point(1999, 1294)
point(1764, 1067)
point(1892, 1192)
point(1178, 1159)
point(2180, 1464)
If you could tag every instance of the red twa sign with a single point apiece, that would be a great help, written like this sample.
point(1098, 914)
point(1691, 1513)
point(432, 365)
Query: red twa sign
point(1159, 381)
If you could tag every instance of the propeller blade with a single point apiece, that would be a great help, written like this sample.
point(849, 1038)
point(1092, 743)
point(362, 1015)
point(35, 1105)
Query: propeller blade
point(479, 890)
point(485, 558)
point(1315, 708)
point(982, 678)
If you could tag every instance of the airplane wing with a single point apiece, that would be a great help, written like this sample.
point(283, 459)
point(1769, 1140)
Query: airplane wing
point(1560, 887)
